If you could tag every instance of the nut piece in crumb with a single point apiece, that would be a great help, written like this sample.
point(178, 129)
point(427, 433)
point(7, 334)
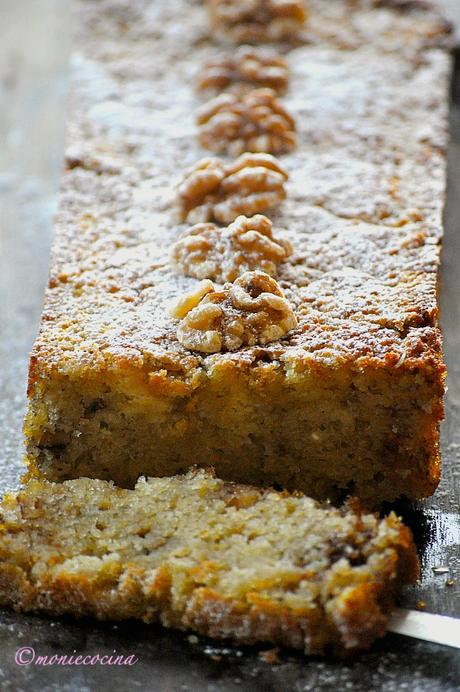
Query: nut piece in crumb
point(213, 191)
point(257, 21)
point(255, 121)
point(246, 69)
point(206, 251)
point(251, 311)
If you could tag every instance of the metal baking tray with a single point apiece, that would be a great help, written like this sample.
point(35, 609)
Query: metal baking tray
point(32, 95)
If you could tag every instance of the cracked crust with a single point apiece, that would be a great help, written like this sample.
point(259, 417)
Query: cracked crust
point(273, 567)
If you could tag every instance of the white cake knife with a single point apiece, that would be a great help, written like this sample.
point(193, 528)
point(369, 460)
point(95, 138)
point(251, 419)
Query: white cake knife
point(439, 629)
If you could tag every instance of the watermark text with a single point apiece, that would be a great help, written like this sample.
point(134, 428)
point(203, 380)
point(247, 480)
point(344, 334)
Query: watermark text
point(27, 656)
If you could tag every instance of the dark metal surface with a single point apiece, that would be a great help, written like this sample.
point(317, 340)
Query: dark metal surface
point(169, 661)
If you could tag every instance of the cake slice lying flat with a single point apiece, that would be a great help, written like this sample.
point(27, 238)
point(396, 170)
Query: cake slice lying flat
point(194, 552)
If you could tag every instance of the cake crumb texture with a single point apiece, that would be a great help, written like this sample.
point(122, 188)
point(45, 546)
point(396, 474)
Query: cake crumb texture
point(196, 553)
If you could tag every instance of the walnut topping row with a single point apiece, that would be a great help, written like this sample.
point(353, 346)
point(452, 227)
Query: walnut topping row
point(206, 251)
point(214, 191)
point(247, 119)
point(255, 121)
point(247, 68)
point(252, 310)
point(257, 21)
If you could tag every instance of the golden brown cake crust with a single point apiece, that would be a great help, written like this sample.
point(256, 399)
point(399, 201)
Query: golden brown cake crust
point(110, 263)
point(363, 213)
point(228, 561)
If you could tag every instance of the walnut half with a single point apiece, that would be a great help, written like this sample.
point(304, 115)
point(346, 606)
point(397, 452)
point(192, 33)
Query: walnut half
point(213, 191)
point(257, 21)
point(247, 68)
point(255, 121)
point(206, 251)
point(251, 311)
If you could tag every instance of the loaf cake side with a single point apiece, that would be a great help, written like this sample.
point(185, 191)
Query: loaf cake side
point(194, 552)
point(349, 401)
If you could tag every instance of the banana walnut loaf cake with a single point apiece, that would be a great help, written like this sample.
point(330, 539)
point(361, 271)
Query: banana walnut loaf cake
point(299, 350)
point(194, 552)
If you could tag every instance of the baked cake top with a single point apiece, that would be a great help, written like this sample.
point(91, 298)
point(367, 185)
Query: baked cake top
point(368, 84)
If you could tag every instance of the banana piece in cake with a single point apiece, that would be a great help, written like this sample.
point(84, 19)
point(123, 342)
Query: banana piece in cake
point(196, 553)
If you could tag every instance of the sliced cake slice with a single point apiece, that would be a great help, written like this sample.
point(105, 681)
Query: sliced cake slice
point(195, 552)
